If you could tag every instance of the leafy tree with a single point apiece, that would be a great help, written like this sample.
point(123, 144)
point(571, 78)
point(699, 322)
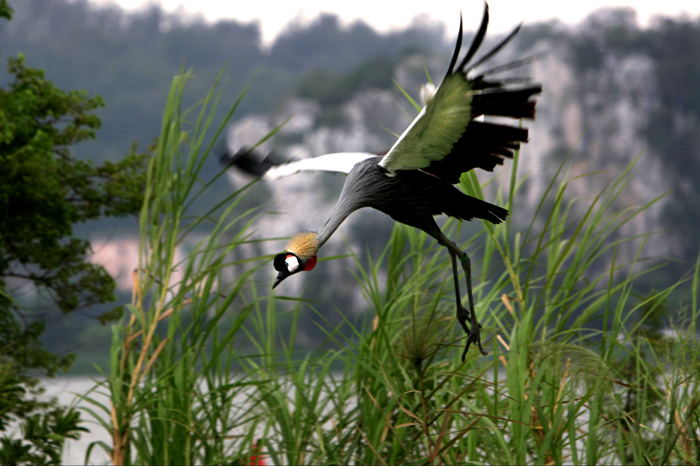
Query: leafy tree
point(44, 192)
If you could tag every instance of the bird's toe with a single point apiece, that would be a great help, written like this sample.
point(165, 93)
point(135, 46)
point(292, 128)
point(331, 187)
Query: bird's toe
point(473, 337)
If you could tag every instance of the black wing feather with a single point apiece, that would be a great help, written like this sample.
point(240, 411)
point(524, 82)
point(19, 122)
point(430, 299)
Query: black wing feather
point(478, 39)
point(458, 46)
point(496, 49)
point(251, 162)
point(485, 144)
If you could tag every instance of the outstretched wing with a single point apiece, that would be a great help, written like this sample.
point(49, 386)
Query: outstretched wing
point(444, 139)
point(435, 130)
point(272, 168)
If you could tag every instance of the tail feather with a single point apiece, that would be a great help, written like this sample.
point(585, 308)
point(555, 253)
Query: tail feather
point(491, 212)
point(466, 207)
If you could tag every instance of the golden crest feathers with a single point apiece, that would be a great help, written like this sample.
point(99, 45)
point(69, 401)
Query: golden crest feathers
point(304, 244)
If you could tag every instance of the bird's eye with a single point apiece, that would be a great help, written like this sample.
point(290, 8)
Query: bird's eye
point(292, 263)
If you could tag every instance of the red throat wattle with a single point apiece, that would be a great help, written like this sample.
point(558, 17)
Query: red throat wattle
point(310, 263)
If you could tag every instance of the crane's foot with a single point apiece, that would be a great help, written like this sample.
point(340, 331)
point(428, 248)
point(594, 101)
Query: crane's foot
point(474, 333)
point(463, 318)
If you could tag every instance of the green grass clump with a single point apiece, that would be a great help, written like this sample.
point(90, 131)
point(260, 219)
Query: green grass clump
point(578, 371)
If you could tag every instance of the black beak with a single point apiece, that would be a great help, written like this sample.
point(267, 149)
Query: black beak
point(280, 276)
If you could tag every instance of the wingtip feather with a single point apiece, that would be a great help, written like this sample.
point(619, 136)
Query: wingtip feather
point(478, 39)
point(458, 47)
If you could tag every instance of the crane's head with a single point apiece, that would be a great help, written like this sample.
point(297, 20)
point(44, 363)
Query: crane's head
point(300, 255)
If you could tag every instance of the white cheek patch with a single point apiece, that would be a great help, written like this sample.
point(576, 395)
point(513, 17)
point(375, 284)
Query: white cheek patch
point(292, 263)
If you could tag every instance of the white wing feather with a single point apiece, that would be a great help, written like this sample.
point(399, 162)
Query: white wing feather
point(341, 162)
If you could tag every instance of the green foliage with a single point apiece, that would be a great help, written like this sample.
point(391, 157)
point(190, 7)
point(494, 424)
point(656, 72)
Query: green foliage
point(44, 426)
point(554, 389)
point(395, 393)
point(44, 192)
point(43, 438)
point(175, 394)
point(12, 396)
point(5, 10)
point(21, 347)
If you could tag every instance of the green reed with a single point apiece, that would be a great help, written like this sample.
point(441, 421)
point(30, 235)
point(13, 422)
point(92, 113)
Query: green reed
point(575, 373)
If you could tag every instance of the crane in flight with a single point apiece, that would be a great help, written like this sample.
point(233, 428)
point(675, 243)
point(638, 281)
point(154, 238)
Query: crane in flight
point(414, 180)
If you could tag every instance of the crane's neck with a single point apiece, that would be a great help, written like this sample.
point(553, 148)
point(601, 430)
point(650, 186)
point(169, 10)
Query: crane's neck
point(342, 210)
point(353, 196)
point(331, 225)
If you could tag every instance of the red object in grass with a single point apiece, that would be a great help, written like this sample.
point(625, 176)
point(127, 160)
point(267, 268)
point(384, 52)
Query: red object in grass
point(256, 458)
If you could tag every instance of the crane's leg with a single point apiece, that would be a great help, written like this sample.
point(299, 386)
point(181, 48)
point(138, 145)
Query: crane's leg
point(464, 316)
point(473, 330)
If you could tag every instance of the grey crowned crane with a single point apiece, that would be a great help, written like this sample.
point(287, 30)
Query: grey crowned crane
point(414, 180)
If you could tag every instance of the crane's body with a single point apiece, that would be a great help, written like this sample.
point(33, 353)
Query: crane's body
point(412, 197)
point(413, 182)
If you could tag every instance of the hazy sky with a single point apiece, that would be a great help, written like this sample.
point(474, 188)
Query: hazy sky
point(384, 15)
